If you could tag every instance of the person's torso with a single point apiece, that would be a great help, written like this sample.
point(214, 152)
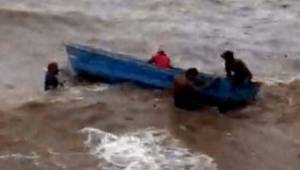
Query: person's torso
point(162, 61)
point(51, 79)
point(240, 69)
point(182, 88)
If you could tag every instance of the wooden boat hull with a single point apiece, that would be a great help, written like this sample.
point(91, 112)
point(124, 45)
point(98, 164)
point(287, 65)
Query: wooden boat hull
point(117, 68)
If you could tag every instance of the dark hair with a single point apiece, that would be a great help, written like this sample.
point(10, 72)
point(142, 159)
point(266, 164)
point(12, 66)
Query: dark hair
point(53, 67)
point(161, 52)
point(228, 55)
point(191, 73)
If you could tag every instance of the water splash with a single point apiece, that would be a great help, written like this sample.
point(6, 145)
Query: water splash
point(19, 156)
point(33, 156)
point(147, 149)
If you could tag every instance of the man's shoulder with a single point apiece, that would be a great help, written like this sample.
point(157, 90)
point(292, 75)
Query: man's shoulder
point(239, 62)
point(50, 76)
point(154, 56)
point(180, 78)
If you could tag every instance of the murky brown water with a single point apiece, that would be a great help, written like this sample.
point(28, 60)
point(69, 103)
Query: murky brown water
point(41, 131)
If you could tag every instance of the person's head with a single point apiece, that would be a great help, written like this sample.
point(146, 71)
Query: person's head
point(161, 52)
point(191, 73)
point(53, 68)
point(228, 56)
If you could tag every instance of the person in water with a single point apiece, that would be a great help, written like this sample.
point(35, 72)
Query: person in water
point(51, 80)
point(185, 91)
point(236, 69)
point(161, 60)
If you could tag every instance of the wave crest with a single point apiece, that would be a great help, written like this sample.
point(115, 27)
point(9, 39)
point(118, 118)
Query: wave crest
point(147, 149)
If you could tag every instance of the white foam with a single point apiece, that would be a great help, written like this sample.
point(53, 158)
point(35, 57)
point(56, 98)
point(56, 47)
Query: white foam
point(273, 81)
point(147, 149)
point(33, 156)
point(98, 88)
point(19, 156)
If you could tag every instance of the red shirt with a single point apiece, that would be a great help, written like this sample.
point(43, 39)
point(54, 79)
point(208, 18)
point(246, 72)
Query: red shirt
point(161, 61)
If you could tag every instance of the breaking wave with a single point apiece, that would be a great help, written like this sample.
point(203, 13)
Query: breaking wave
point(148, 149)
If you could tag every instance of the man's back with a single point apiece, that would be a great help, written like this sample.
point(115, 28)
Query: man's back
point(181, 85)
point(238, 70)
point(161, 61)
point(241, 69)
point(51, 81)
point(184, 93)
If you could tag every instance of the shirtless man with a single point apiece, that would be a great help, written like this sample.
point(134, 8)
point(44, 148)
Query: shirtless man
point(185, 91)
point(236, 69)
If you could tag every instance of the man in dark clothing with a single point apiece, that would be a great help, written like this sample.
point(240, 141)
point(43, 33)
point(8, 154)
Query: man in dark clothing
point(185, 92)
point(236, 69)
point(51, 81)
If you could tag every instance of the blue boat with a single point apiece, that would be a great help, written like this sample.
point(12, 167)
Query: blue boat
point(113, 68)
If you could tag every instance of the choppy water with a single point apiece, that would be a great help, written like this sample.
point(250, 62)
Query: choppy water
point(265, 33)
point(149, 149)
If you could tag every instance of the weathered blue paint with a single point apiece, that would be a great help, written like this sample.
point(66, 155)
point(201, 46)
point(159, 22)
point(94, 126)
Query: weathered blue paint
point(116, 68)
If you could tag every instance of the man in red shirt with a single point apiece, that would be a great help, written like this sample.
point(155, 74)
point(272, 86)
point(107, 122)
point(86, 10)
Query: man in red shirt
point(161, 60)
